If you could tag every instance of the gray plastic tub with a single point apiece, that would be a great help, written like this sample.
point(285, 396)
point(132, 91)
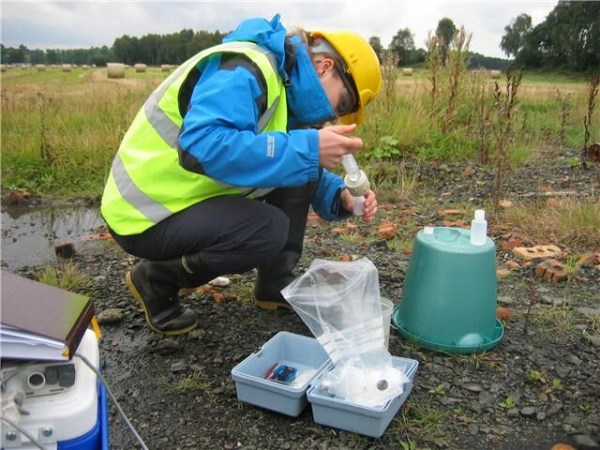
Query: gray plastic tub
point(300, 352)
point(336, 413)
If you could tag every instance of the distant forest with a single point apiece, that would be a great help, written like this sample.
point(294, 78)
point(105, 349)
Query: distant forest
point(569, 38)
point(175, 48)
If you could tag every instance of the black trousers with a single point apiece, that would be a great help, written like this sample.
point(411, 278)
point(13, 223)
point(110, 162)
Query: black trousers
point(233, 234)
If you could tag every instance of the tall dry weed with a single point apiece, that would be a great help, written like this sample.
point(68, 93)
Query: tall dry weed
point(457, 67)
point(505, 108)
point(435, 63)
point(390, 75)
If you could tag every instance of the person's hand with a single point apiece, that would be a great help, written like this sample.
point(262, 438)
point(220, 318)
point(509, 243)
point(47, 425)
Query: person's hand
point(369, 207)
point(334, 143)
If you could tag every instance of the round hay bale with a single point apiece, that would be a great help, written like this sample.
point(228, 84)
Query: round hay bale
point(2, 68)
point(140, 68)
point(165, 67)
point(495, 74)
point(115, 70)
point(407, 72)
point(40, 67)
point(85, 66)
point(66, 67)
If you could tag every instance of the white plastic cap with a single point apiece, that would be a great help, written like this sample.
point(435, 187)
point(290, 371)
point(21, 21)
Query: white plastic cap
point(479, 214)
point(428, 230)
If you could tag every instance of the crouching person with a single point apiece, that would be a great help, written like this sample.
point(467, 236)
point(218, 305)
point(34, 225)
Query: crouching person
point(218, 170)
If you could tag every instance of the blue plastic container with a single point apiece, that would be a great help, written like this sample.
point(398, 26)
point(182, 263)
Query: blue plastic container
point(300, 352)
point(336, 413)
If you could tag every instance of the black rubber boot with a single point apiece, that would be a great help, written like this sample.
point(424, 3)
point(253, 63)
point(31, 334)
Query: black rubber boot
point(277, 272)
point(156, 283)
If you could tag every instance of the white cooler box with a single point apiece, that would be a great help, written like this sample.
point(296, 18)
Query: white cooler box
point(65, 401)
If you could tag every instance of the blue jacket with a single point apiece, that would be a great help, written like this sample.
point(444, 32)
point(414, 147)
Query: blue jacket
point(219, 130)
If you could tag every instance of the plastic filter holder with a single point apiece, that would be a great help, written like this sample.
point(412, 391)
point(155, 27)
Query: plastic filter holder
point(479, 228)
point(358, 204)
point(357, 183)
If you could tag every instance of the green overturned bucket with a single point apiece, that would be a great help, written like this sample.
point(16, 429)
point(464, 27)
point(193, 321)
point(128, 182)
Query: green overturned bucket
point(449, 298)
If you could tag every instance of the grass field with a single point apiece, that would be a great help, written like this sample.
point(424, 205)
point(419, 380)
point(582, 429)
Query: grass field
point(60, 130)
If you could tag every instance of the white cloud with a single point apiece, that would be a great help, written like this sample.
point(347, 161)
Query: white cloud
point(84, 24)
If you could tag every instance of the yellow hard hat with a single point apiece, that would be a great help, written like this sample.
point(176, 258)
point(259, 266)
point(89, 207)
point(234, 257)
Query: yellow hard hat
point(362, 64)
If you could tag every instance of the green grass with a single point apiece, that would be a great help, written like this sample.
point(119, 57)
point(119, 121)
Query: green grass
point(60, 130)
point(65, 276)
point(422, 421)
point(572, 221)
point(194, 382)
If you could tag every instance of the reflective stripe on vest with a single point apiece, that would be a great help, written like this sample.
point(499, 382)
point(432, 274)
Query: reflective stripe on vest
point(126, 205)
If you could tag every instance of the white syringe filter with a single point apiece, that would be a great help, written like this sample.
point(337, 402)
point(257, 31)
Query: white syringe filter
point(479, 214)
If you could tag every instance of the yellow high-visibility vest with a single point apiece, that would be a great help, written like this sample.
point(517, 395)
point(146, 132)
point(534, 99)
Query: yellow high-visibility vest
point(146, 183)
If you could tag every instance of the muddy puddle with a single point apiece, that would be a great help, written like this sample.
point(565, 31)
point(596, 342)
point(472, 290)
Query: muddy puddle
point(29, 234)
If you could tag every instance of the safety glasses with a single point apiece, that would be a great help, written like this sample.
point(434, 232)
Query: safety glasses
point(348, 100)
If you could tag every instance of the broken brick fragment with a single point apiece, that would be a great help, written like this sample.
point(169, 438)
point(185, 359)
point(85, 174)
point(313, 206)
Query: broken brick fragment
point(513, 264)
point(502, 273)
point(451, 212)
point(588, 260)
point(65, 249)
point(509, 245)
point(551, 270)
point(387, 230)
point(340, 230)
point(468, 172)
point(314, 220)
point(537, 252)
point(502, 313)
point(16, 199)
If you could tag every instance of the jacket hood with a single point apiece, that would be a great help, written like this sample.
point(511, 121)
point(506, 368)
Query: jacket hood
point(270, 35)
point(307, 101)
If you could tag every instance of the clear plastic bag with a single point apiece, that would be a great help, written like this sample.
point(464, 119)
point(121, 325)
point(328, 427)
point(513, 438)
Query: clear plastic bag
point(341, 305)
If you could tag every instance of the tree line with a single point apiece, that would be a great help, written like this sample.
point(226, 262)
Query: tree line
point(175, 48)
point(152, 49)
point(569, 38)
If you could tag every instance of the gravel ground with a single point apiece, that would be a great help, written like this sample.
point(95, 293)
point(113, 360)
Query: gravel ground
point(539, 386)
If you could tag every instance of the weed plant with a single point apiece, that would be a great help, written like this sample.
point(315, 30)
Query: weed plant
point(64, 276)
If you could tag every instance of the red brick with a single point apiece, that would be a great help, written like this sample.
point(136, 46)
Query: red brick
point(551, 270)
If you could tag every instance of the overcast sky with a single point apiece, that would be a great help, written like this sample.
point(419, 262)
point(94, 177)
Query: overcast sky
point(44, 24)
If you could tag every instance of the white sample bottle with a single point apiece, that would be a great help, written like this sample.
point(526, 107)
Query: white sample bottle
point(479, 228)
